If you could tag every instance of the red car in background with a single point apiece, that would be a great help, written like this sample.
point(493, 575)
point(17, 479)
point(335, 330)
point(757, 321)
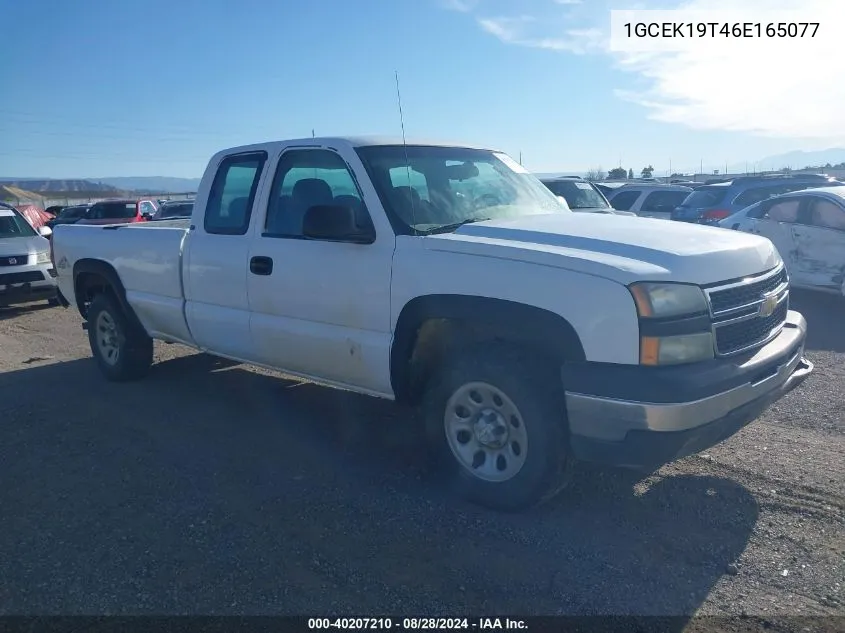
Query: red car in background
point(122, 211)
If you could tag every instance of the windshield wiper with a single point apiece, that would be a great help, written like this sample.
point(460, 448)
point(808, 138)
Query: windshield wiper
point(448, 228)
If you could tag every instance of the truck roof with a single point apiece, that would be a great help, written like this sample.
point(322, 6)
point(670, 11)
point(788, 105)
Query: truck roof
point(350, 141)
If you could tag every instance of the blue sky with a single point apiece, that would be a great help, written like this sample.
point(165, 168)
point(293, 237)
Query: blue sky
point(99, 88)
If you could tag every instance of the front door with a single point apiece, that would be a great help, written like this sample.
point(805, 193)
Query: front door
point(774, 221)
point(320, 308)
point(819, 238)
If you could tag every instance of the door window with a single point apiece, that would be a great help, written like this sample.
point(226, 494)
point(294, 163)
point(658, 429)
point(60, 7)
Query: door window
point(307, 178)
point(233, 193)
point(624, 200)
point(826, 214)
point(784, 211)
point(663, 201)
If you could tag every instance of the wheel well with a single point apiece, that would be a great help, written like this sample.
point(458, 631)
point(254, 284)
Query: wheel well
point(429, 327)
point(92, 277)
point(88, 285)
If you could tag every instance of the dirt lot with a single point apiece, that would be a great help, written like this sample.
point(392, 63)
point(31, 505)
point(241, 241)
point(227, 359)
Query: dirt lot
point(211, 488)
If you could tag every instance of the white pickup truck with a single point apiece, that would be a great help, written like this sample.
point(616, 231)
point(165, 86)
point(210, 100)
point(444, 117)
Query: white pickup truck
point(448, 277)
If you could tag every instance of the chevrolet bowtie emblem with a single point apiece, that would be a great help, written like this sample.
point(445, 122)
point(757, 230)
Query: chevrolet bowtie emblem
point(768, 307)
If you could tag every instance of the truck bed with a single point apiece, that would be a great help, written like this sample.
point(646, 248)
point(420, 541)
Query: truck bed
point(148, 258)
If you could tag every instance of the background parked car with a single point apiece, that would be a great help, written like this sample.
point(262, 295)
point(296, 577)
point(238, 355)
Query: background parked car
point(54, 210)
point(580, 195)
point(174, 210)
point(649, 200)
point(70, 215)
point(714, 202)
point(122, 211)
point(26, 272)
point(808, 229)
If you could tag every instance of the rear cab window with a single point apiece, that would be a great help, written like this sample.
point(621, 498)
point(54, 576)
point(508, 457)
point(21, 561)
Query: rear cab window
point(233, 193)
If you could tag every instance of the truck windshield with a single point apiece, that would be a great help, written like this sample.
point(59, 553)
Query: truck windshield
point(12, 224)
point(429, 189)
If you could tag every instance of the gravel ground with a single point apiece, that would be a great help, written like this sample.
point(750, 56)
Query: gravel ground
point(216, 489)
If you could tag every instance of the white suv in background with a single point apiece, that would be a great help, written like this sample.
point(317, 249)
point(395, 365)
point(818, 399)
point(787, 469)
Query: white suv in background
point(649, 200)
point(26, 272)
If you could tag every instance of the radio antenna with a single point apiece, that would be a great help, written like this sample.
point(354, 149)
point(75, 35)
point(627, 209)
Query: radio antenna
point(405, 148)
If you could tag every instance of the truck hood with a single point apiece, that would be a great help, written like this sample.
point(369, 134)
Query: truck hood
point(622, 248)
point(16, 246)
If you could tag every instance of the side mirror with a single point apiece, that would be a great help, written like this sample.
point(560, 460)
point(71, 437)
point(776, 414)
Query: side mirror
point(45, 231)
point(335, 223)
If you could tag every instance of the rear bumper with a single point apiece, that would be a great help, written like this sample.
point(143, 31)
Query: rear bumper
point(728, 396)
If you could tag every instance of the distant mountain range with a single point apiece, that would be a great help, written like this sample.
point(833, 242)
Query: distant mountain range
point(100, 187)
point(797, 160)
point(52, 185)
point(152, 184)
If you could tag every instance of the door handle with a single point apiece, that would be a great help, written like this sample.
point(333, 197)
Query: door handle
point(260, 265)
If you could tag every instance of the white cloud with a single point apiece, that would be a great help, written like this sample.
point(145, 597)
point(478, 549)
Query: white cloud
point(522, 31)
point(462, 6)
point(791, 88)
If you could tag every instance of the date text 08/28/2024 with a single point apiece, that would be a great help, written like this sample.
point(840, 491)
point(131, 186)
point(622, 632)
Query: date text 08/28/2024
point(416, 624)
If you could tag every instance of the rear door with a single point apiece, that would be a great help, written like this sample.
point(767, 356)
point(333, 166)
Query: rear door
point(819, 238)
point(774, 220)
point(216, 261)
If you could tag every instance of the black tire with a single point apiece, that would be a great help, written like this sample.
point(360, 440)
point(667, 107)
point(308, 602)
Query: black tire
point(134, 349)
point(534, 388)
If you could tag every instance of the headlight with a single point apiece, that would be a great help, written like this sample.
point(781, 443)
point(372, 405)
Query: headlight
point(661, 300)
point(674, 350)
point(43, 258)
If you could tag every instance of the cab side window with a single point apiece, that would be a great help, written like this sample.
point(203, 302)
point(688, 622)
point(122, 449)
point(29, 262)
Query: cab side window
point(233, 194)
point(306, 178)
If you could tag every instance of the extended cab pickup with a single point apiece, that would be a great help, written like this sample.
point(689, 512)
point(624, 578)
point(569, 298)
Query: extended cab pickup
point(448, 277)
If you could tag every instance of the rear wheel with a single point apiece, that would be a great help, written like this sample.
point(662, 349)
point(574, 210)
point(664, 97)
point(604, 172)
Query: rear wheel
point(122, 352)
point(500, 418)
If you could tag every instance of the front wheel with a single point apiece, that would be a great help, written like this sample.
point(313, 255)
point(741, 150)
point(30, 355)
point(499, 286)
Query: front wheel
point(121, 350)
point(500, 417)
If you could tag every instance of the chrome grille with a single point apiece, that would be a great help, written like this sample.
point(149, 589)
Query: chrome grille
point(750, 312)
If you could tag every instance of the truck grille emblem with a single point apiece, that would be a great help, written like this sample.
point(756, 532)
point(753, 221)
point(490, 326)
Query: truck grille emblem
point(768, 307)
point(12, 261)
